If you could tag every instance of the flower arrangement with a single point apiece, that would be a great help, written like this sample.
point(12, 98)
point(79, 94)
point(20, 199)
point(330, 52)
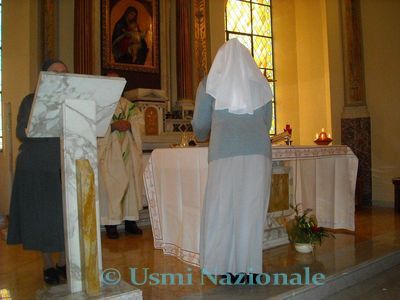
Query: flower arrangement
point(288, 129)
point(303, 228)
point(120, 122)
point(288, 138)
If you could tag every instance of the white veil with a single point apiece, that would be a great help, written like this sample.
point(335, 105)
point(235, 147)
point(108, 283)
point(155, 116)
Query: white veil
point(236, 82)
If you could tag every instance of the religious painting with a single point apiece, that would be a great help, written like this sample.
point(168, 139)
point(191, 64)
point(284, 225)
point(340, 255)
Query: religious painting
point(130, 35)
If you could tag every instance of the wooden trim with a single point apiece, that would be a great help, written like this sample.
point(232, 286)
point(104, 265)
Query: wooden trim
point(83, 37)
point(184, 49)
point(200, 41)
point(49, 29)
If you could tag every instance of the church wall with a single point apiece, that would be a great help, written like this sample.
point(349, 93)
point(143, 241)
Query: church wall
point(285, 49)
point(304, 87)
point(66, 33)
point(309, 72)
point(21, 62)
point(216, 26)
point(312, 69)
point(335, 76)
point(381, 43)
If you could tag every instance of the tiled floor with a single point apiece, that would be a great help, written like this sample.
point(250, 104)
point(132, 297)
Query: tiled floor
point(377, 234)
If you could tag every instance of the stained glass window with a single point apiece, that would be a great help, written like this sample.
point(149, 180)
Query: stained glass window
point(250, 21)
point(1, 88)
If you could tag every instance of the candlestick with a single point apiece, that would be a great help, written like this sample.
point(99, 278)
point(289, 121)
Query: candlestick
point(323, 138)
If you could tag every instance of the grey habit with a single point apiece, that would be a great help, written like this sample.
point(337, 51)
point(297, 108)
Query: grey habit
point(36, 218)
point(238, 186)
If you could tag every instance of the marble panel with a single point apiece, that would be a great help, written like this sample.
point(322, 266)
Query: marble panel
point(77, 142)
point(356, 133)
point(121, 291)
point(54, 88)
point(88, 227)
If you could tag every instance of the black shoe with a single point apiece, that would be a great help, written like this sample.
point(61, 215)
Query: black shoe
point(112, 232)
point(62, 271)
point(51, 276)
point(131, 227)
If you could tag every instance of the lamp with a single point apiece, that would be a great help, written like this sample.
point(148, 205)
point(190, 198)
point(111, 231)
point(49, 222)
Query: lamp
point(323, 138)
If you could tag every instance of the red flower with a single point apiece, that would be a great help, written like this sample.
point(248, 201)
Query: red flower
point(315, 229)
point(288, 129)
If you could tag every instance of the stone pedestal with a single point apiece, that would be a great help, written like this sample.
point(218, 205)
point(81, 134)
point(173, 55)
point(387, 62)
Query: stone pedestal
point(356, 133)
point(78, 141)
point(121, 291)
point(77, 108)
point(356, 127)
point(152, 103)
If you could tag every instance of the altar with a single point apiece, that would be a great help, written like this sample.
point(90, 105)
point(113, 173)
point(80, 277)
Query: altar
point(322, 178)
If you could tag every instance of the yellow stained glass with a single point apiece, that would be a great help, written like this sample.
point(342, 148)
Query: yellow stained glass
point(273, 123)
point(5, 294)
point(266, 2)
point(262, 20)
point(270, 74)
point(271, 84)
point(262, 51)
point(238, 16)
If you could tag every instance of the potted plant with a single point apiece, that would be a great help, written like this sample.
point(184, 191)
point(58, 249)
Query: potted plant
point(303, 230)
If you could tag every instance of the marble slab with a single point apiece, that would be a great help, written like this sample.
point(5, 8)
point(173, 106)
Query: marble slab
point(88, 226)
point(78, 141)
point(54, 88)
point(146, 95)
point(121, 291)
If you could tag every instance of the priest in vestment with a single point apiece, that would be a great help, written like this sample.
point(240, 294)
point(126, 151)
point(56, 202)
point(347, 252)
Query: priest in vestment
point(234, 102)
point(121, 171)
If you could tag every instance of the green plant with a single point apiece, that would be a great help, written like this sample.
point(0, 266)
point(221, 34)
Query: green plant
point(303, 228)
point(122, 116)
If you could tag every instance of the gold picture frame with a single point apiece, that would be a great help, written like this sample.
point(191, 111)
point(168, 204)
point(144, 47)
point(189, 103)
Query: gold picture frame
point(130, 35)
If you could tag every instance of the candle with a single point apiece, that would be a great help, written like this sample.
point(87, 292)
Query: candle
point(329, 135)
point(316, 136)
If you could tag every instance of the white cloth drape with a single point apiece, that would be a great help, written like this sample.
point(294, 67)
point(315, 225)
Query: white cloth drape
point(175, 182)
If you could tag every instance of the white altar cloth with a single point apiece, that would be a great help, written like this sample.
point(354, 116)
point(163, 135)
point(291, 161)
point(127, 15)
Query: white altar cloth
point(175, 181)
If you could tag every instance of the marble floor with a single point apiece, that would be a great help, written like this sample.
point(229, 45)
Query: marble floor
point(377, 234)
point(384, 286)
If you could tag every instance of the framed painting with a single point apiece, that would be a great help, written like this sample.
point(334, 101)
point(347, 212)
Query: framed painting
point(130, 35)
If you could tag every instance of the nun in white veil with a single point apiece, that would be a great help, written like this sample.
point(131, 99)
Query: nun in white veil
point(234, 103)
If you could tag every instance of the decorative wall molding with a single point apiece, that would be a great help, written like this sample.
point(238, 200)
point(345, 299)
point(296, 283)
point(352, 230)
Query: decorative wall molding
point(200, 65)
point(353, 56)
point(83, 37)
point(49, 29)
point(356, 124)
